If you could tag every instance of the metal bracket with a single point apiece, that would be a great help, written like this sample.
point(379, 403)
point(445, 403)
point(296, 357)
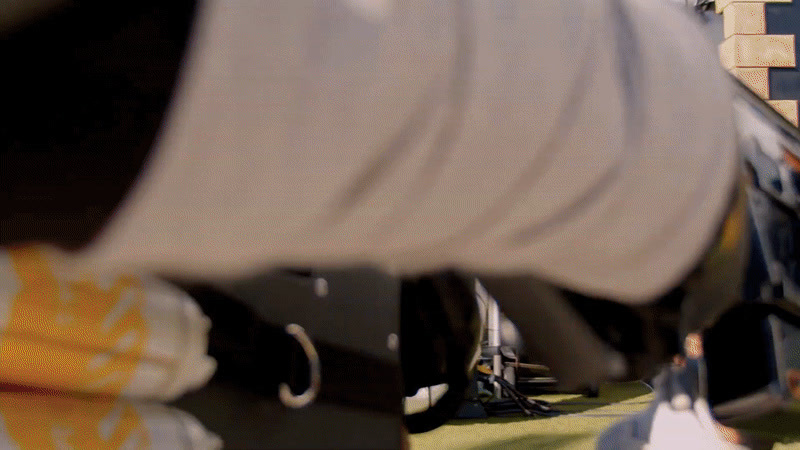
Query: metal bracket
point(306, 398)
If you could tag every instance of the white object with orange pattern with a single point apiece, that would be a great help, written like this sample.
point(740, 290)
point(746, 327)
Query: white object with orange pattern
point(31, 421)
point(117, 335)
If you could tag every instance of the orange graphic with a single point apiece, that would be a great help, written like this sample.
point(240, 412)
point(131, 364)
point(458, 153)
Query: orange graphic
point(38, 422)
point(71, 335)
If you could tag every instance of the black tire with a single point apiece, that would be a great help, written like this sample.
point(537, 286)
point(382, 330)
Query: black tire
point(439, 332)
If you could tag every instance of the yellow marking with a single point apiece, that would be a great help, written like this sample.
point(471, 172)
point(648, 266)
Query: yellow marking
point(732, 231)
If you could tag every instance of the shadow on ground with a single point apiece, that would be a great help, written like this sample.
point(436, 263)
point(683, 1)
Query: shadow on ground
point(609, 394)
point(573, 403)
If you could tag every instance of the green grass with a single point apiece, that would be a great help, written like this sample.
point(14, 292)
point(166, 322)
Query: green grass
point(784, 426)
point(579, 428)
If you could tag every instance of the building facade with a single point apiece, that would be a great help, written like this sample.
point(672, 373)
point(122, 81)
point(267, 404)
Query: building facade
point(760, 47)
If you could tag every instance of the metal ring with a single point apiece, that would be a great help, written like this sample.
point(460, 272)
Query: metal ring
point(306, 398)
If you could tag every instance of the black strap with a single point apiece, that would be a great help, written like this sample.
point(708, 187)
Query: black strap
point(259, 356)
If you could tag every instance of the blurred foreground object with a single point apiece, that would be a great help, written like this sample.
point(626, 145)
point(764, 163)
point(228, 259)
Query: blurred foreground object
point(794, 383)
point(351, 343)
point(426, 136)
point(678, 418)
point(759, 339)
point(34, 421)
point(739, 369)
point(430, 135)
point(117, 335)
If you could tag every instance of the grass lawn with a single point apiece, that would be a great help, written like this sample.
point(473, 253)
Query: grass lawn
point(583, 421)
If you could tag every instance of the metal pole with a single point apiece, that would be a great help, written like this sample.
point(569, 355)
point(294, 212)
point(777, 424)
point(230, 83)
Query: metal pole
point(493, 331)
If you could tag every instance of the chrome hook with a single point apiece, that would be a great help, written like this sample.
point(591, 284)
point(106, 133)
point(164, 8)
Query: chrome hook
point(306, 398)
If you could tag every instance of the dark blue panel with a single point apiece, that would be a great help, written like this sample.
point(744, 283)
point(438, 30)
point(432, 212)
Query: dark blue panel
point(784, 83)
point(784, 18)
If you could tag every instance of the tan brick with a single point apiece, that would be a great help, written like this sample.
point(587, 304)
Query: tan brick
point(757, 51)
point(720, 5)
point(756, 78)
point(787, 108)
point(745, 18)
point(727, 50)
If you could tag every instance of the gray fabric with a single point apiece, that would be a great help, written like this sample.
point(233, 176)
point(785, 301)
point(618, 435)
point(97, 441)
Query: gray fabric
point(588, 143)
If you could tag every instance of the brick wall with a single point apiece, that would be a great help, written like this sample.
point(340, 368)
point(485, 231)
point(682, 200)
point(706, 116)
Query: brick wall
point(761, 49)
